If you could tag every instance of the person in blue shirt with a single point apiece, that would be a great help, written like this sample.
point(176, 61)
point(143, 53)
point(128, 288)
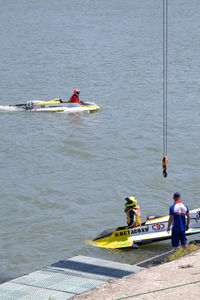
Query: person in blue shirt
point(177, 216)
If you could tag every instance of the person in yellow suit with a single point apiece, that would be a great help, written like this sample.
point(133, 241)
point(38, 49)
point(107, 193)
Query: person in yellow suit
point(132, 211)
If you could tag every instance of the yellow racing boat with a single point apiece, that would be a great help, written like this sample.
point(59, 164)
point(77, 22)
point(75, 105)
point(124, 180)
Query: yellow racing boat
point(57, 105)
point(154, 229)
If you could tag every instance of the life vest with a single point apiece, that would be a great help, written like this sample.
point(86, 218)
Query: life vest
point(138, 217)
point(74, 98)
point(133, 216)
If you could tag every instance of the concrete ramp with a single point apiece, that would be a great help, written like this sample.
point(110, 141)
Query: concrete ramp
point(65, 279)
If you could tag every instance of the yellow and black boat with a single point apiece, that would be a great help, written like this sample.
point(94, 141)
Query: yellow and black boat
point(57, 105)
point(154, 229)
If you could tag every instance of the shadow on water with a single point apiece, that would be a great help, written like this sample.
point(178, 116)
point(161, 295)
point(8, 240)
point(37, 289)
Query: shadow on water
point(4, 278)
point(127, 255)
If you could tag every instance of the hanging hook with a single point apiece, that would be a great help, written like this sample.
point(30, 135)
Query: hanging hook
point(164, 165)
point(164, 173)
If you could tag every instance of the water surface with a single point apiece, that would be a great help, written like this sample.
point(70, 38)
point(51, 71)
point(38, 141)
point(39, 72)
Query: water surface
point(64, 177)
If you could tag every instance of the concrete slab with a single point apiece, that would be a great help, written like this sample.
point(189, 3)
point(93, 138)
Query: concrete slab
point(178, 279)
point(65, 279)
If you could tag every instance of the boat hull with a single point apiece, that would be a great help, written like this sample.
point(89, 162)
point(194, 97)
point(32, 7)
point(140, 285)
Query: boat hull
point(154, 230)
point(65, 107)
point(56, 105)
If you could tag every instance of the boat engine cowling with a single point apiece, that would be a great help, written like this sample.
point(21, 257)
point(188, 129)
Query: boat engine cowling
point(31, 104)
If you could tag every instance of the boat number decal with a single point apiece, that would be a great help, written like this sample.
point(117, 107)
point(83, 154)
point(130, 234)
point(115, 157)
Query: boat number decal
point(122, 233)
point(139, 230)
point(132, 231)
point(198, 215)
point(158, 226)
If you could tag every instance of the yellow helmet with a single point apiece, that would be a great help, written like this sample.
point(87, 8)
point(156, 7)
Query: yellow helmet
point(131, 201)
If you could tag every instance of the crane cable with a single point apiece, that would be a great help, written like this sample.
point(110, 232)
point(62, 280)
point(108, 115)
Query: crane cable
point(165, 37)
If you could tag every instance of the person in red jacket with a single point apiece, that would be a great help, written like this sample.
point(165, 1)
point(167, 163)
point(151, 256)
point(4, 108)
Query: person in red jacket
point(75, 97)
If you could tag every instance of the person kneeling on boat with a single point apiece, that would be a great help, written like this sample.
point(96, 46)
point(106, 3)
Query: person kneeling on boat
point(75, 97)
point(132, 211)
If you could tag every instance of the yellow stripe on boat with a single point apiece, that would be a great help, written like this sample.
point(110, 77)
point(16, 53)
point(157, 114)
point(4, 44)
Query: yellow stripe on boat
point(53, 101)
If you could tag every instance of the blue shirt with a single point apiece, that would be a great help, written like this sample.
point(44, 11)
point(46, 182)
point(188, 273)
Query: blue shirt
point(179, 211)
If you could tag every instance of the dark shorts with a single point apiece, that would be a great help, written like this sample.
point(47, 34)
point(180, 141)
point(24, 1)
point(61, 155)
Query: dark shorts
point(177, 237)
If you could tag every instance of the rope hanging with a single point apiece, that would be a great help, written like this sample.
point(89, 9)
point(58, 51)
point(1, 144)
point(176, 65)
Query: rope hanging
point(165, 37)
